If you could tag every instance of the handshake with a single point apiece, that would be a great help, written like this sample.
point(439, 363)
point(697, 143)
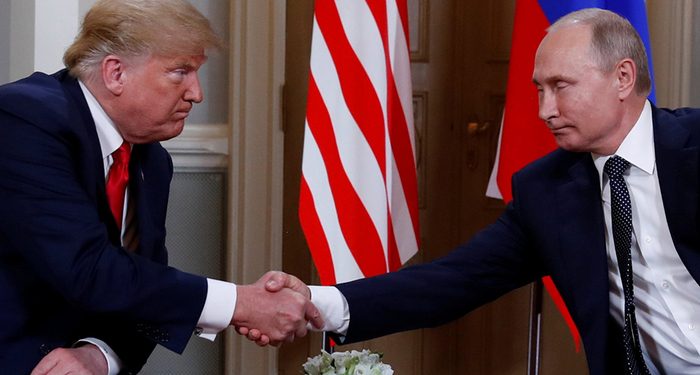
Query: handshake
point(275, 309)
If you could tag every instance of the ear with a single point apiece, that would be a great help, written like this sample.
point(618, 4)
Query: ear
point(113, 74)
point(626, 75)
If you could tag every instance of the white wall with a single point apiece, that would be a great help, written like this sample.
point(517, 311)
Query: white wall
point(57, 23)
point(35, 34)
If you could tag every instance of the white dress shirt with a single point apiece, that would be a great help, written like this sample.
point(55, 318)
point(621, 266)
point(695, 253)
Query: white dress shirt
point(221, 295)
point(667, 298)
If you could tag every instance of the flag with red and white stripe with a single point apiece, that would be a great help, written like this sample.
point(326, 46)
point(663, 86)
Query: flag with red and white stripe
point(358, 204)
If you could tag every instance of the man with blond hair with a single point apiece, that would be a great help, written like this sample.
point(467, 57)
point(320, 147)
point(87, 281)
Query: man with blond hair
point(84, 284)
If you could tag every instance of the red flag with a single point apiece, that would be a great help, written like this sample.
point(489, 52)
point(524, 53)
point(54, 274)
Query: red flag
point(524, 137)
point(358, 203)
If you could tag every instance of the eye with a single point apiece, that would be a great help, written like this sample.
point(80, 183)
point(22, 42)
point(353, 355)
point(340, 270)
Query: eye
point(561, 85)
point(178, 75)
point(540, 91)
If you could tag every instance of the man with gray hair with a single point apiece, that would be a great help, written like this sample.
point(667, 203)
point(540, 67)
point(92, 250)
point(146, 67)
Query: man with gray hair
point(83, 196)
point(619, 233)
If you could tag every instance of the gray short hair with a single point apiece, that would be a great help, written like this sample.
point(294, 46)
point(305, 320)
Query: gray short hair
point(614, 38)
point(133, 28)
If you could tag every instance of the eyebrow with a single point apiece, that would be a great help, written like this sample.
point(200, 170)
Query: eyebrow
point(554, 78)
point(181, 64)
point(186, 64)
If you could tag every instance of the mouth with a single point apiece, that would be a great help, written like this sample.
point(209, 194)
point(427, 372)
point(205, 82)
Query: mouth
point(558, 128)
point(181, 115)
point(184, 109)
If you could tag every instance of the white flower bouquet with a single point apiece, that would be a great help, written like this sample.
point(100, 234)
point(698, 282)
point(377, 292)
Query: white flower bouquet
point(347, 363)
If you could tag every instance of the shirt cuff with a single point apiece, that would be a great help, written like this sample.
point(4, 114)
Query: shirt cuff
point(218, 309)
point(333, 307)
point(114, 363)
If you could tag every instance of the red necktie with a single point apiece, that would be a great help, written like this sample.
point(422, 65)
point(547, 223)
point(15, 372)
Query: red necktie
point(117, 180)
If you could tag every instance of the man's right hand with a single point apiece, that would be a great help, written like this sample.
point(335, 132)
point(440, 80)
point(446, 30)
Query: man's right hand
point(86, 359)
point(275, 309)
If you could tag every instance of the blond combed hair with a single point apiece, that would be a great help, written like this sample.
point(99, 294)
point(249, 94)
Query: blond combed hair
point(134, 28)
point(614, 39)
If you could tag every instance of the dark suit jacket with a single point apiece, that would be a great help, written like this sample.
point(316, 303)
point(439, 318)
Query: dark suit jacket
point(63, 274)
point(554, 226)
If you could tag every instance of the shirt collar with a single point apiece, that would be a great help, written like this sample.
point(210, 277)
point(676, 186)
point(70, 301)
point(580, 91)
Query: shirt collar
point(107, 132)
point(637, 147)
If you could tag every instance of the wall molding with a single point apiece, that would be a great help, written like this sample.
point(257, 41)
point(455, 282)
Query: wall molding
point(200, 147)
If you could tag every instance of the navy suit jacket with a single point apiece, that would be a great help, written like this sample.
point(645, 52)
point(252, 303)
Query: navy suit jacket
point(63, 274)
point(554, 226)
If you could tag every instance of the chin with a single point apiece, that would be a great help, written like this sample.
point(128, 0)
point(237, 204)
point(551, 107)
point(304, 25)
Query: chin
point(569, 146)
point(175, 130)
point(162, 134)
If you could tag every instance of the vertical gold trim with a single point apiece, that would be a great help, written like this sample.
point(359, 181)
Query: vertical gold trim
point(257, 38)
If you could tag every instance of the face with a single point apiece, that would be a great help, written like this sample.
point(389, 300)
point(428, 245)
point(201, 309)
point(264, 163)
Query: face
point(578, 101)
point(157, 94)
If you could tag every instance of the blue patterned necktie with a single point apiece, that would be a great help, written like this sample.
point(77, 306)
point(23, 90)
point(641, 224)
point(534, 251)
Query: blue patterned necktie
point(622, 236)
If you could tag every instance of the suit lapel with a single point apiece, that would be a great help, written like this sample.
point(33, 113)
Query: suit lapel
point(150, 183)
point(582, 244)
point(582, 229)
point(94, 164)
point(136, 189)
point(678, 178)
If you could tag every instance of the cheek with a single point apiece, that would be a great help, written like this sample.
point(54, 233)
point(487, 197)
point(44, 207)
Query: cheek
point(581, 108)
point(163, 108)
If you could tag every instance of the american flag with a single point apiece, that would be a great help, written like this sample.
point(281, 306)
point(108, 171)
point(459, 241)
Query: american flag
point(358, 203)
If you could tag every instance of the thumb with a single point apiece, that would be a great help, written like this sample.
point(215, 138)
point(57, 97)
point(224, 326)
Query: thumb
point(276, 281)
point(314, 316)
point(298, 286)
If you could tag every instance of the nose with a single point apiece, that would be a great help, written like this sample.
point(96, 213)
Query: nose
point(548, 105)
point(194, 90)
